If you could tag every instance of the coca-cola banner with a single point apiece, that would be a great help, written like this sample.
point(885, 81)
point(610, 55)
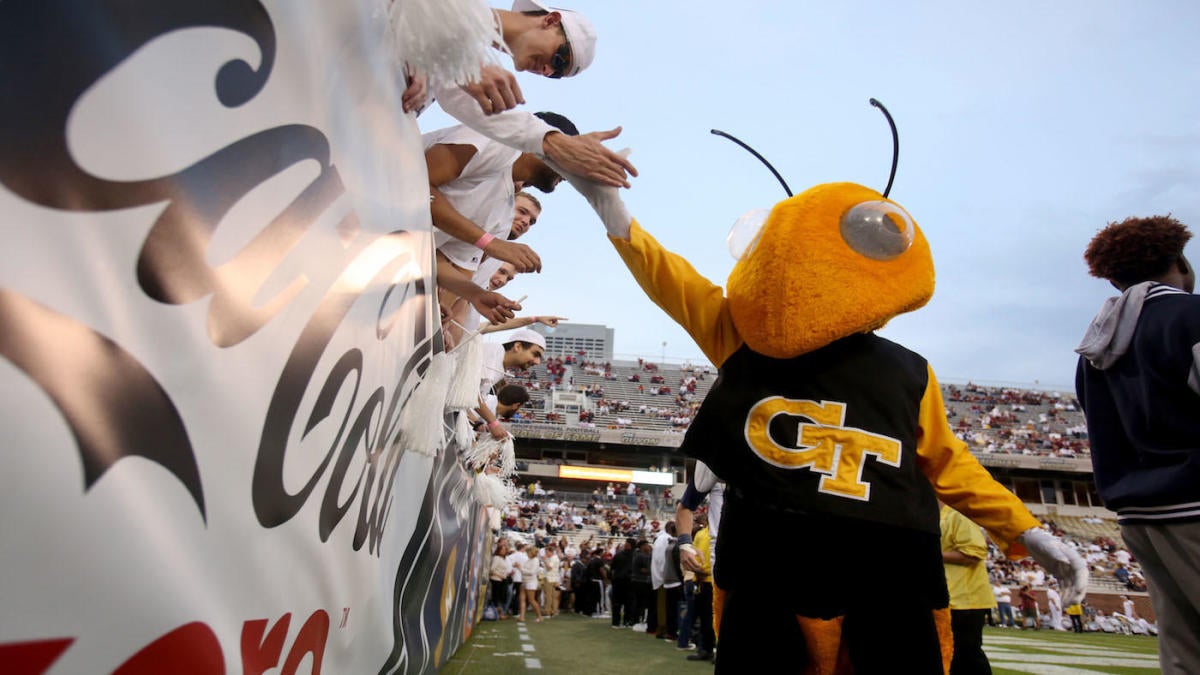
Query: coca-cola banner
point(215, 298)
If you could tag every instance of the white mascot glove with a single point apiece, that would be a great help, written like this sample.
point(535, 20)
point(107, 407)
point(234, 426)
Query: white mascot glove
point(604, 200)
point(1059, 559)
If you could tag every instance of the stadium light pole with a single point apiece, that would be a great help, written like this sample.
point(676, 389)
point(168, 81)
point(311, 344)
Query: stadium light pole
point(664, 354)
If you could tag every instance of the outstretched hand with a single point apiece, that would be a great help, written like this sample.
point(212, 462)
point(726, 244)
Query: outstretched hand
point(1059, 559)
point(587, 156)
point(604, 199)
point(493, 306)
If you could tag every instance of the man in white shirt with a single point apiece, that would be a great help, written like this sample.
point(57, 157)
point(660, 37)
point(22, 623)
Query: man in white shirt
point(552, 42)
point(521, 349)
point(668, 587)
point(516, 558)
point(473, 199)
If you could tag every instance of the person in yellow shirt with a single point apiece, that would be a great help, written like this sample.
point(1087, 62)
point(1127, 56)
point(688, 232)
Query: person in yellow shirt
point(1075, 612)
point(706, 640)
point(964, 552)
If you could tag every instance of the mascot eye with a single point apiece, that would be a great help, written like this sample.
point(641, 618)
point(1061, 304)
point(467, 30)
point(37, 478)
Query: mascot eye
point(745, 233)
point(878, 230)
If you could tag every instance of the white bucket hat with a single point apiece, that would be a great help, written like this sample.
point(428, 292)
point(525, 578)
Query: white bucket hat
point(581, 34)
point(525, 335)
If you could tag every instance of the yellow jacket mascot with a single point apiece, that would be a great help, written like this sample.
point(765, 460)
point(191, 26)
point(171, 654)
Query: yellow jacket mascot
point(833, 441)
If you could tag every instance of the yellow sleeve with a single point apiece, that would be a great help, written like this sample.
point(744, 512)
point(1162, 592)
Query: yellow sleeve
point(674, 285)
point(960, 480)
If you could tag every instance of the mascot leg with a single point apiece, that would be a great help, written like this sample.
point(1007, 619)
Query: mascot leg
point(823, 638)
point(879, 639)
point(758, 635)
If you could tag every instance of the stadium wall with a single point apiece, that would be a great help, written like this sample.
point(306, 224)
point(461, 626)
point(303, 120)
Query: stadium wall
point(214, 293)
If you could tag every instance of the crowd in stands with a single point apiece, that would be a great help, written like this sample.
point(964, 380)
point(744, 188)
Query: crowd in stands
point(989, 419)
point(1016, 421)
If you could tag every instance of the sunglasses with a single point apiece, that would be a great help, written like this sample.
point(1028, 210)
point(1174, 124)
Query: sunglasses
point(561, 60)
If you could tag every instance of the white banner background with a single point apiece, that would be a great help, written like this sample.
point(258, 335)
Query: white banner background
point(194, 250)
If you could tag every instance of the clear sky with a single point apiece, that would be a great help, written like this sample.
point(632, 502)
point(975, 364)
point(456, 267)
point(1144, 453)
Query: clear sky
point(1024, 128)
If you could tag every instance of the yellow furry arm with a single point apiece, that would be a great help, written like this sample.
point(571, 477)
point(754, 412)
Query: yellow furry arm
point(673, 284)
point(960, 480)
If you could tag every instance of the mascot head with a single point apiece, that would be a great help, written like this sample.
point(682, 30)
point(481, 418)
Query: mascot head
point(832, 261)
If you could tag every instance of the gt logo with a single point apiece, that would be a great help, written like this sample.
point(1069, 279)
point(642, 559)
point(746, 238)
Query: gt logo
point(824, 446)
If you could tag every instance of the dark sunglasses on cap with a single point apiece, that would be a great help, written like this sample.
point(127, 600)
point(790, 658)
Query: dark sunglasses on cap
point(561, 60)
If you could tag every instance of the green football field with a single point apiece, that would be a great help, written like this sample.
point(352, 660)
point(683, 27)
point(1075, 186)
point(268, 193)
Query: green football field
point(573, 645)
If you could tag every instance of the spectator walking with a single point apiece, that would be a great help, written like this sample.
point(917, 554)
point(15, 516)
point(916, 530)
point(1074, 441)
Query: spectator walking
point(531, 572)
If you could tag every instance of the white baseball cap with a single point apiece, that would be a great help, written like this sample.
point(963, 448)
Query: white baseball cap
point(525, 335)
point(581, 34)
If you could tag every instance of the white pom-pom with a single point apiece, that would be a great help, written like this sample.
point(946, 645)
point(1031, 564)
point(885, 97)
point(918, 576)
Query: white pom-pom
point(422, 421)
point(446, 40)
point(488, 451)
point(479, 454)
point(494, 491)
point(468, 367)
point(464, 435)
point(508, 457)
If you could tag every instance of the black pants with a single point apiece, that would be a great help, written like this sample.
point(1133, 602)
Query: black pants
point(704, 609)
point(585, 602)
point(500, 595)
point(643, 600)
point(967, 627)
point(622, 603)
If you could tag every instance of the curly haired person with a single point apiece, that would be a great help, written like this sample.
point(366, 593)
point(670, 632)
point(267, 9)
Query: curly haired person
point(1138, 381)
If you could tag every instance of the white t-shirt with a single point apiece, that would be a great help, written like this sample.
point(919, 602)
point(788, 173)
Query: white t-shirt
point(530, 567)
point(553, 569)
point(493, 367)
point(517, 558)
point(483, 192)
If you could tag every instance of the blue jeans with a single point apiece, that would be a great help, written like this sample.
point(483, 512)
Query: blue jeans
point(687, 613)
point(1006, 614)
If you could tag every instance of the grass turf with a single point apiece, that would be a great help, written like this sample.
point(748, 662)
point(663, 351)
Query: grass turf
point(571, 644)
